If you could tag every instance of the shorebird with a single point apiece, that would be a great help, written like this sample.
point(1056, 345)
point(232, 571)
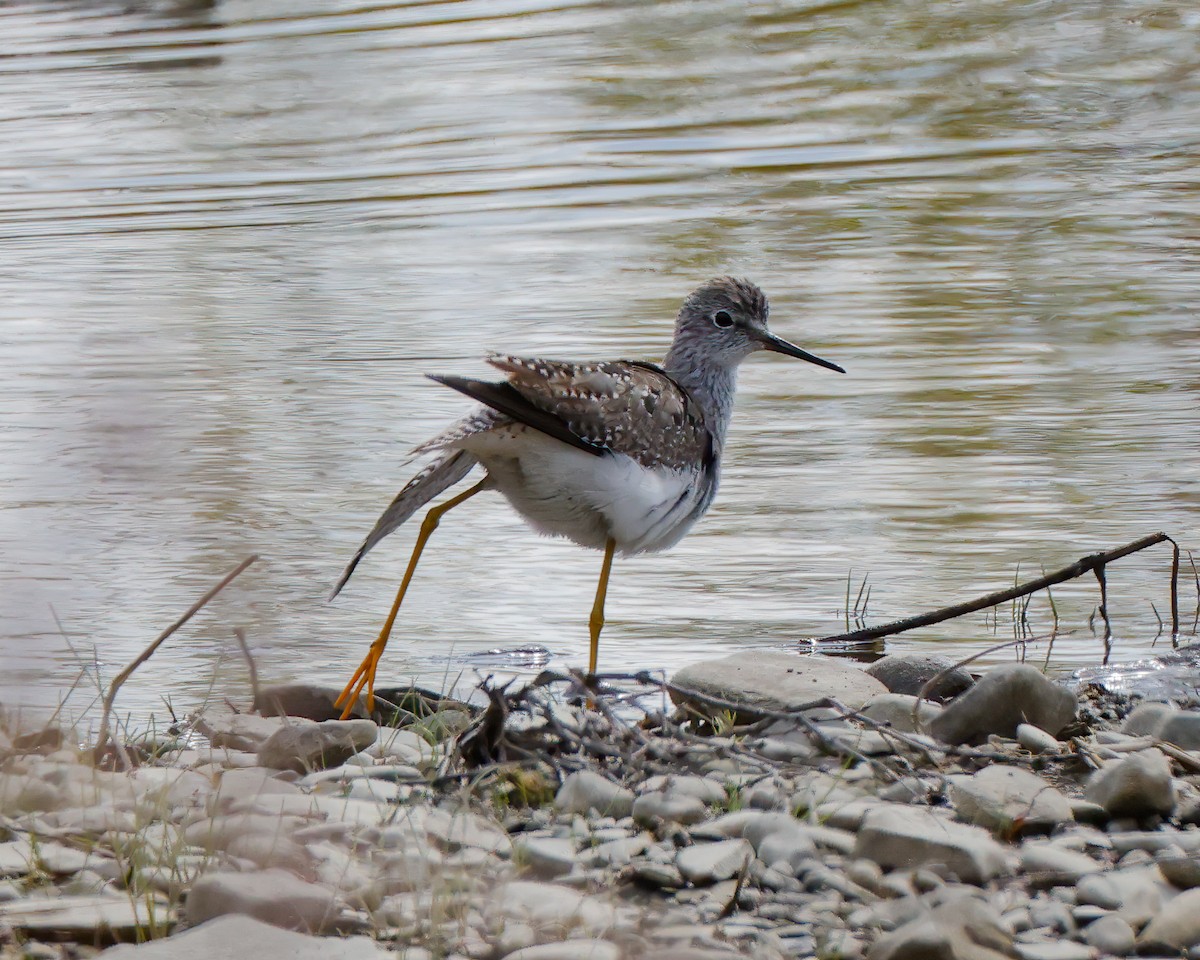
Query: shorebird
point(621, 456)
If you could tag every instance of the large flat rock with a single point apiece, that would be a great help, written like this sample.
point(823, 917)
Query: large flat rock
point(774, 681)
point(243, 938)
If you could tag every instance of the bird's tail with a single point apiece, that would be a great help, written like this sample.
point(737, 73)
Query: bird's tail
point(443, 472)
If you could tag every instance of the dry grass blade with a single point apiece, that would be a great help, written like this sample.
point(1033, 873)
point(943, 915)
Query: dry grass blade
point(146, 654)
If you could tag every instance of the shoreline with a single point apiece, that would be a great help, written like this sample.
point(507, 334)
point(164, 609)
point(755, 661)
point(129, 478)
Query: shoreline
point(791, 807)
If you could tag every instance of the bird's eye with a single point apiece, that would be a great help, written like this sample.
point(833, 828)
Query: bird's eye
point(723, 318)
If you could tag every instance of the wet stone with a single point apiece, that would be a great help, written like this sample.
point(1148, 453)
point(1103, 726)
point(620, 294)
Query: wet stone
point(303, 746)
point(1005, 698)
point(907, 673)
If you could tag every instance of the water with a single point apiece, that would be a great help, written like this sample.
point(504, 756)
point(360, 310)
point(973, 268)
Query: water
point(987, 212)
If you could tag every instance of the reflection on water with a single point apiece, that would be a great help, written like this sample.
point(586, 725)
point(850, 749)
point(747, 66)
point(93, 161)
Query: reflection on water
point(986, 212)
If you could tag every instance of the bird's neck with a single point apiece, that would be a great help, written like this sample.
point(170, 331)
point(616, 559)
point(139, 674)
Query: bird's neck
point(710, 384)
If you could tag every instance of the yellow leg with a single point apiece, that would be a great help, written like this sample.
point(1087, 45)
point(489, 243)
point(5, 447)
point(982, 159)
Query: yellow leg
point(364, 676)
point(596, 622)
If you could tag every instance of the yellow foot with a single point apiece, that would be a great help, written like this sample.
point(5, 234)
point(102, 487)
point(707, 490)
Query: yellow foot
point(364, 676)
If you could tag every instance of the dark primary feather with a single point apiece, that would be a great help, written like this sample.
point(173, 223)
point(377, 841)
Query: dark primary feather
point(624, 406)
point(442, 473)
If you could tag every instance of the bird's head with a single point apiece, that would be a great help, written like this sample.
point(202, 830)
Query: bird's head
point(725, 320)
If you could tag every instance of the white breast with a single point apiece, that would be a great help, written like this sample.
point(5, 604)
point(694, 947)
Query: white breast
point(565, 492)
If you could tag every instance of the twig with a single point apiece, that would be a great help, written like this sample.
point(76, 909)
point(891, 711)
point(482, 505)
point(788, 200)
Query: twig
point(241, 639)
point(731, 907)
point(146, 654)
point(1088, 564)
point(1103, 608)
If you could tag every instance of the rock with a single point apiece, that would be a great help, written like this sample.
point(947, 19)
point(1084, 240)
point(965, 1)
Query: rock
point(459, 830)
point(549, 908)
point(774, 681)
point(548, 857)
point(907, 673)
point(569, 950)
point(897, 711)
point(242, 938)
point(1049, 865)
point(310, 701)
point(1036, 740)
point(1161, 720)
point(1053, 950)
point(779, 838)
point(1110, 935)
point(1000, 702)
point(895, 836)
point(1178, 868)
point(706, 863)
point(303, 745)
point(705, 789)
point(1008, 800)
point(1177, 927)
point(1138, 786)
point(961, 929)
point(672, 808)
point(1146, 718)
point(1136, 893)
point(584, 790)
point(237, 731)
point(272, 896)
point(88, 919)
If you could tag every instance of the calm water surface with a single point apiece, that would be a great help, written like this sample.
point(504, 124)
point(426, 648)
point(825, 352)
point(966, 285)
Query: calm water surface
point(987, 211)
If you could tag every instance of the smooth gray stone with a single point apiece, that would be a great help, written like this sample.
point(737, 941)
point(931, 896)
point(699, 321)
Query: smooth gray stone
point(87, 919)
point(1005, 698)
point(548, 857)
point(907, 673)
point(676, 808)
point(272, 896)
point(960, 929)
point(1036, 740)
point(1180, 869)
point(1146, 718)
point(568, 950)
point(548, 907)
point(236, 731)
point(584, 790)
point(896, 710)
point(243, 938)
point(1110, 935)
point(774, 681)
point(1176, 927)
point(1138, 786)
point(1135, 893)
point(705, 789)
point(1049, 865)
point(304, 746)
point(310, 701)
point(1008, 799)
point(706, 863)
point(1053, 950)
point(896, 836)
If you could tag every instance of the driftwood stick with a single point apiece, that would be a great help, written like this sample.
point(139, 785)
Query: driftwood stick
point(1089, 564)
point(1174, 593)
point(253, 667)
point(146, 654)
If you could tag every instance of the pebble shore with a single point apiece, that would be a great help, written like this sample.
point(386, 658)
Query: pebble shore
point(776, 806)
